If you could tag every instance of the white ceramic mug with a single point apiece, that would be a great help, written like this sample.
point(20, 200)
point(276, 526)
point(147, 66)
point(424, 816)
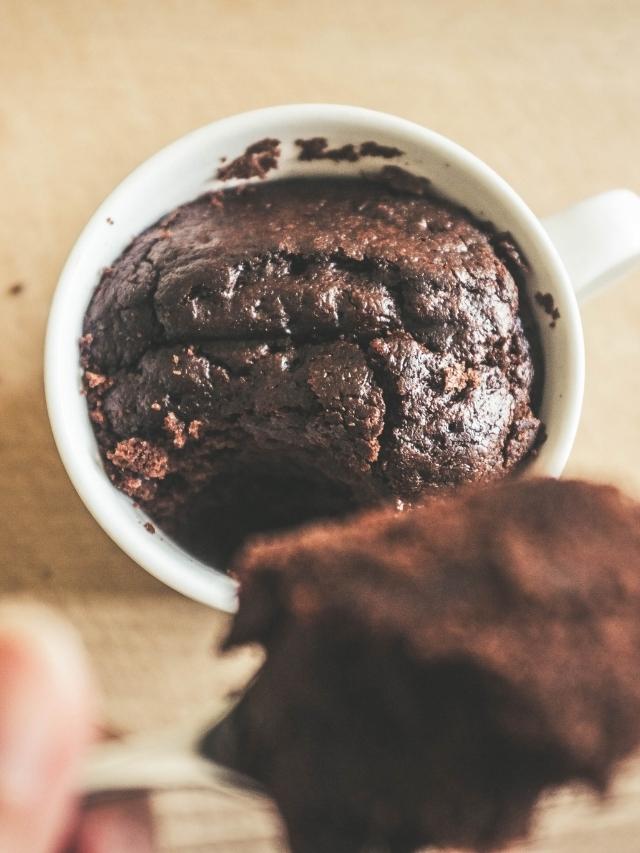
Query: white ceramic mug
point(569, 254)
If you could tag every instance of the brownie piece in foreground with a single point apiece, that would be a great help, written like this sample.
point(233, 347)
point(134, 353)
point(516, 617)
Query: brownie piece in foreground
point(300, 348)
point(430, 673)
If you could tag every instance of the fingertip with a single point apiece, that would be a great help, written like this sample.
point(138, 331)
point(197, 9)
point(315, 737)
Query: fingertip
point(46, 706)
point(38, 643)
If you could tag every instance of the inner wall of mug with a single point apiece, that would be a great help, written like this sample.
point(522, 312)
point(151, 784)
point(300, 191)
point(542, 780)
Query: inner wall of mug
point(185, 170)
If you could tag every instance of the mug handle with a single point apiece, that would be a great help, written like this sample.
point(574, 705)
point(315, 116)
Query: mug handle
point(598, 239)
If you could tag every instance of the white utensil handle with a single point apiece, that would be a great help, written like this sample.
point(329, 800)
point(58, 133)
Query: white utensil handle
point(123, 767)
point(161, 760)
point(148, 764)
point(598, 239)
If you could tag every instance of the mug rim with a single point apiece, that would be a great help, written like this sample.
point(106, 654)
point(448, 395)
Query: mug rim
point(157, 554)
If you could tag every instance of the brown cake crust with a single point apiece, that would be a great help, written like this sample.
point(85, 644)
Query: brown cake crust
point(302, 347)
point(431, 673)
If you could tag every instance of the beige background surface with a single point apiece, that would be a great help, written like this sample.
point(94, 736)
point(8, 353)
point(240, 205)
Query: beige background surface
point(546, 91)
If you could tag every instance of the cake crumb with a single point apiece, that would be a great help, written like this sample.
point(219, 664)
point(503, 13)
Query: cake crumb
point(374, 149)
point(176, 428)
point(131, 485)
point(140, 457)
point(95, 380)
point(454, 378)
point(258, 159)
point(149, 527)
point(110, 221)
point(546, 302)
point(85, 349)
point(195, 429)
point(317, 148)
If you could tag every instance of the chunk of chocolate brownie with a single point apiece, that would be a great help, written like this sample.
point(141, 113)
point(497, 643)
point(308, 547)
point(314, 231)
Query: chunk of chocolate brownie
point(431, 673)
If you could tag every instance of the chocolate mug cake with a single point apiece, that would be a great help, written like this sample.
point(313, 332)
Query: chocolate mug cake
point(295, 349)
